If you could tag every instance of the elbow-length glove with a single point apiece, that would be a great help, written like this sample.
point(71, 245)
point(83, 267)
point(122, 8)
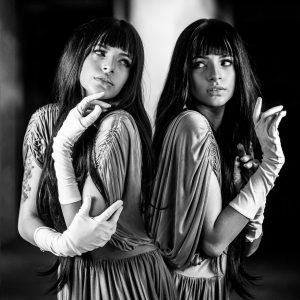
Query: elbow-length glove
point(73, 127)
point(253, 195)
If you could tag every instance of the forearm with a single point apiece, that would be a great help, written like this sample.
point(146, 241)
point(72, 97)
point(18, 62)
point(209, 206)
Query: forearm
point(69, 211)
point(251, 247)
point(27, 224)
point(228, 224)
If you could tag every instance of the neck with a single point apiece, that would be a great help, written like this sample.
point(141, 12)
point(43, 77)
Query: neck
point(213, 114)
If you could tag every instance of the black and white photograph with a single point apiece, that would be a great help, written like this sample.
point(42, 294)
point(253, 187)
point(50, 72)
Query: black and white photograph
point(149, 150)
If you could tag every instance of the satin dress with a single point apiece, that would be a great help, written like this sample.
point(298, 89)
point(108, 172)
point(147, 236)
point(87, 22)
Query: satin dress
point(129, 266)
point(188, 158)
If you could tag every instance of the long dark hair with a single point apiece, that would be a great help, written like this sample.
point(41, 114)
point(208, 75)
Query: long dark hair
point(68, 92)
point(203, 37)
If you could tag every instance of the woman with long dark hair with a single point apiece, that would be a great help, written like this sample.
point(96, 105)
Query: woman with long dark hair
point(203, 217)
point(67, 160)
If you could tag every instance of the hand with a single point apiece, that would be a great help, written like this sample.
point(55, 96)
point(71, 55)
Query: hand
point(82, 116)
point(244, 166)
point(87, 233)
point(266, 128)
point(254, 227)
point(84, 234)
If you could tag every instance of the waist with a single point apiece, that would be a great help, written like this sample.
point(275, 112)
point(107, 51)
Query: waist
point(110, 252)
point(208, 268)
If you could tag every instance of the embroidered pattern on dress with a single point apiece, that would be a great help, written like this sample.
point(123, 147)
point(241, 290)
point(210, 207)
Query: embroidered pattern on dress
point(214, 154)
point(38, 132)
point(102, 148)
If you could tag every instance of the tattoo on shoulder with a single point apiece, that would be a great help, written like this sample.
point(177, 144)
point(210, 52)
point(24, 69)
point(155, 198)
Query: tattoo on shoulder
point(26, 188)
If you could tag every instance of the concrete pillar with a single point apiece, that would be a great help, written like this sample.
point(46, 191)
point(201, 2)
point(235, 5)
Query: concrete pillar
point(159, 23)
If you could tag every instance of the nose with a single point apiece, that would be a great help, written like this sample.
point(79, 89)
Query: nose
point(215, 73)
point(107, 66)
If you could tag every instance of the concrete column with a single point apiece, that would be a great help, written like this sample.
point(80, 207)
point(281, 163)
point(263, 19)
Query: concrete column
point(159, 23)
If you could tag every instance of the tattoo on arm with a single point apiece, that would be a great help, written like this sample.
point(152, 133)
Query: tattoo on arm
point(26, 188)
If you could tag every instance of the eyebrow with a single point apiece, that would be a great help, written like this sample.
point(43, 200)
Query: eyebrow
point(123, 53)
point(205, 57)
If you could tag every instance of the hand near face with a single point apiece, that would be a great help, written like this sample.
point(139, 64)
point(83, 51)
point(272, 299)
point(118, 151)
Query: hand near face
point(82, 116)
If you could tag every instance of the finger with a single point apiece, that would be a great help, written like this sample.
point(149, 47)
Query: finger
point(109, 211)
point(272, 111)
point(237, 162)
point(275, 123)
point(116, 215)
point(85, 102)
point(248, 165)
point(281, 115)
point(101, 103)
point(245, 158)
point(86, 205)
point(257, 110)
point(93, 97)
point(251, 151)
point(91, 117)
point(241, 150)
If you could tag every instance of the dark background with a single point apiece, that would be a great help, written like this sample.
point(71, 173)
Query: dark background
point(270, 30)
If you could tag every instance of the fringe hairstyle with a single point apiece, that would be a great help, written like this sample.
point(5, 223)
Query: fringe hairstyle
point(68, 92)
point(204, 37)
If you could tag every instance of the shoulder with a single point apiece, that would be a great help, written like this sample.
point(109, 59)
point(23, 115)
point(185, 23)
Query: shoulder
point(45, 114)
point(39, 131)
point(191, 123)
point(117, 120)
point(48, 109)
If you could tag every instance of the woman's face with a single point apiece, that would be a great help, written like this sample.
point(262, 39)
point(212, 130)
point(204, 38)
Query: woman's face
point(105, 69)
point(212, 80)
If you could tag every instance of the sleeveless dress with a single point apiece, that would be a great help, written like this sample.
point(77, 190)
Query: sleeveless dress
point(188, 158)
point(129, 266)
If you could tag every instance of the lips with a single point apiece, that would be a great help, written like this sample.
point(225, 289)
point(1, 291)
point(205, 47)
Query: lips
point(216, 89)
point(103, 80)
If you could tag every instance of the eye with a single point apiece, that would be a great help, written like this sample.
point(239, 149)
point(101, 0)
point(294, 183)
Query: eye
point(227, 62)
point(198, 64)
point(125, 62)
point(99, 51)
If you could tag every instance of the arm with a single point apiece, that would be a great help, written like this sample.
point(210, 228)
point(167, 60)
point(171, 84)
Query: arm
point(77, 121)
point(245, 165)
point(29, 220)
point(220, 229)
point(84, 234)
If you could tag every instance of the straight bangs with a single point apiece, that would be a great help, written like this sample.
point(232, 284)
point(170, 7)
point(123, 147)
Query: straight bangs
point(211, 40)
point(119, 35)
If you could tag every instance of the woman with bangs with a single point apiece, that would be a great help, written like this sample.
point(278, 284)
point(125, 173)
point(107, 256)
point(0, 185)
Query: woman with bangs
point(209, 193)
point(74, 173)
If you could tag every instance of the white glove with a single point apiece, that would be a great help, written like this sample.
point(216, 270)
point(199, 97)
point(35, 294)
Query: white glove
point(254, 227)
point(72, 128)
point(84, 234)
point(253, 195)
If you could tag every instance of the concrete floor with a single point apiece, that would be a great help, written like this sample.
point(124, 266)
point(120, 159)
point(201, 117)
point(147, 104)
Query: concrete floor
point(20, 263)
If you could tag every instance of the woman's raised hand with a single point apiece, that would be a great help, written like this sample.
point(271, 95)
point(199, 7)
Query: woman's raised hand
point(84, 114)
point(79, 118)
point(266, 128)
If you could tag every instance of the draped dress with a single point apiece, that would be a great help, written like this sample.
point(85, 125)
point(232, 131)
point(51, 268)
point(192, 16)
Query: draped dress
point(188, 159)
point(129, 266)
